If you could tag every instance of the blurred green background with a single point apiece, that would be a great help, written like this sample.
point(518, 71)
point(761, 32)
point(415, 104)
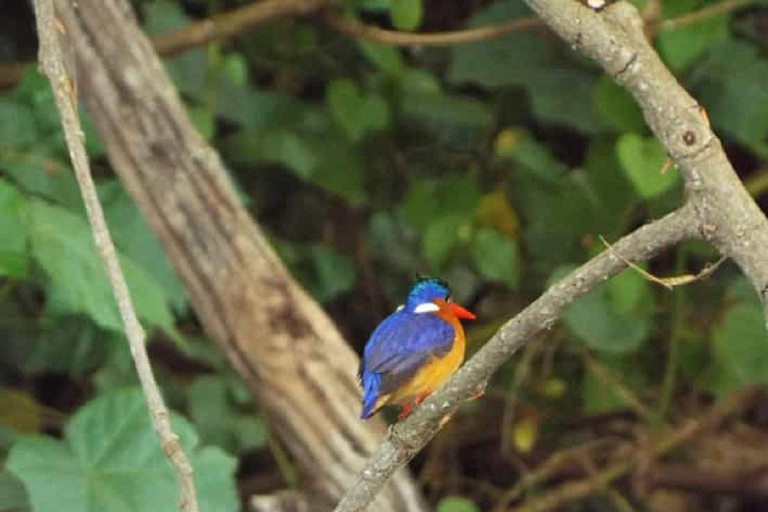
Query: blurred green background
point(496, 165)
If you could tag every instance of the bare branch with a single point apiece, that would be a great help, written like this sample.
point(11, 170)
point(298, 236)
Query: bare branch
point(232, 23)
point(408, 437)
point(727, 216)
point(360, 30)
point(52, 65)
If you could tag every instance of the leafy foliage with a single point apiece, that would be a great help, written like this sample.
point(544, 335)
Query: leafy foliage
point(109, 459)
point(495, 164)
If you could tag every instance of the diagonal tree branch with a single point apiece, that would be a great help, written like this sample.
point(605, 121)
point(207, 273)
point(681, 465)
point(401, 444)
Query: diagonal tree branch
point(53, 66)
point(718, 209)
point(408, 437)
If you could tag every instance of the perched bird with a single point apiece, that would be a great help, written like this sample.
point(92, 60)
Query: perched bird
point(413, 350)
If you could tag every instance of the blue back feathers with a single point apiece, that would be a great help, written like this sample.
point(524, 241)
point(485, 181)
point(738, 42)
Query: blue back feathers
point(402, 343)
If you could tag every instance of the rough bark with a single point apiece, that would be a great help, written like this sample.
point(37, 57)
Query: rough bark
point(275, 336)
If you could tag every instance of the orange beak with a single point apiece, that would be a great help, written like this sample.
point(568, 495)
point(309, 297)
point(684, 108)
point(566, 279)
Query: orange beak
point(460, 312)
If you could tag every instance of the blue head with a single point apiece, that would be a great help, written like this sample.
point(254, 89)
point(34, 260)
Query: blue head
point(427, 289)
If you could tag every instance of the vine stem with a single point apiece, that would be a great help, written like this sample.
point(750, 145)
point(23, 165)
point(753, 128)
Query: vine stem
point(52, 64)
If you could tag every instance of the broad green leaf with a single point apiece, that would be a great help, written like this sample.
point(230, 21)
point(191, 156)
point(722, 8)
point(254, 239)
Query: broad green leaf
point(496, 257)
point(110, 459)
point(334, 273)
point(137, 241)
point(354, 111)
point(680, 47)
point(406, 14)
point(13, 496)
point(740, 348)
point(441, 237)
point(456, 504)
point(17, 125)
point(14, 256)
point(202, 118)
point(617, 108)
point(443, 111)
point(62, 245)
point(386, 58)
point(595, 320)
point(730, 83)
point(428, 200)
point(526, 59)
point(642, 160)
point(218, 421)
point(71, 346)
point(628, 291)
point(42, 175)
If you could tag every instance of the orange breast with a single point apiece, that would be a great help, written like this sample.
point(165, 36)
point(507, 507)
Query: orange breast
point(437, 370)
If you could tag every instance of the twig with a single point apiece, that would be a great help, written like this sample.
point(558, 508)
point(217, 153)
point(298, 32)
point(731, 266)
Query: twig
point(573, 491)
point(360, 30)
point(52, 65)
point(668, 282)
point(408, 437)
point(232, 23)
point(709, 11)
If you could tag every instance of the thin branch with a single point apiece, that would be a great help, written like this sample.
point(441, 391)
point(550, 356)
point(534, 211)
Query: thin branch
point(231, 23)
point(360, 30)
point(408, 437)
point(704, 13)
point(52, 65)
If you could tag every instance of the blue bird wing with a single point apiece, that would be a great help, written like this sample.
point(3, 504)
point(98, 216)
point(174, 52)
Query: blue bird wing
point(402, 344)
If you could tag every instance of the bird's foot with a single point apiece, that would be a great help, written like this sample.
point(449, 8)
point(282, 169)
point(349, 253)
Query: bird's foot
point(477, 394)
point(404, 413)
point(423, 396)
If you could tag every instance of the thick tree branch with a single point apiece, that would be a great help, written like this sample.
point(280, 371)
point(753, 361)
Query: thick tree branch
point(408, 437)
point(52, 65)
point(280, 342)
point(727, 215)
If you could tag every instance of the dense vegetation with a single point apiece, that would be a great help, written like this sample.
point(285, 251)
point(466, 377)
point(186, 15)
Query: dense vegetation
point(497, 165)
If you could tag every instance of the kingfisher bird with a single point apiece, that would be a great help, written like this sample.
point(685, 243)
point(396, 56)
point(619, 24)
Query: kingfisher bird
point(414, 350)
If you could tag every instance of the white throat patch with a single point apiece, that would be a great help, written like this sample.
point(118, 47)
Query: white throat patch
point(426, 307)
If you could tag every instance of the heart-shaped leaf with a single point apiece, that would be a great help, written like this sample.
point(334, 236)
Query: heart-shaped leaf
point(642, 159)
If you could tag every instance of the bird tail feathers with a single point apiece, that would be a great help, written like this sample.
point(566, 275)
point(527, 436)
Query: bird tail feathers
point(370, 382)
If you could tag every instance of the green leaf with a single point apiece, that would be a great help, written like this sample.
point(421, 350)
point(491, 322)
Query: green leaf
point(617, 108)
point(137, 241)
point(386, 58)
point(441, 111)
point(496, 257)
point(355, 112)
point(70, 346)
point(596, 321)
point(406, 14)
point(62, 245)
point(456, 504)
point(333, 273)
point(681, 47)
point(14, 256)
point(17, 125)
point(642, 159)
point(441, 236)
point(202, 118)
point(731, 84)
point(44, 176)
point(13, 496)
point(740, 348)
point(427, 200)
point(628, 291)
point(110, 459)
